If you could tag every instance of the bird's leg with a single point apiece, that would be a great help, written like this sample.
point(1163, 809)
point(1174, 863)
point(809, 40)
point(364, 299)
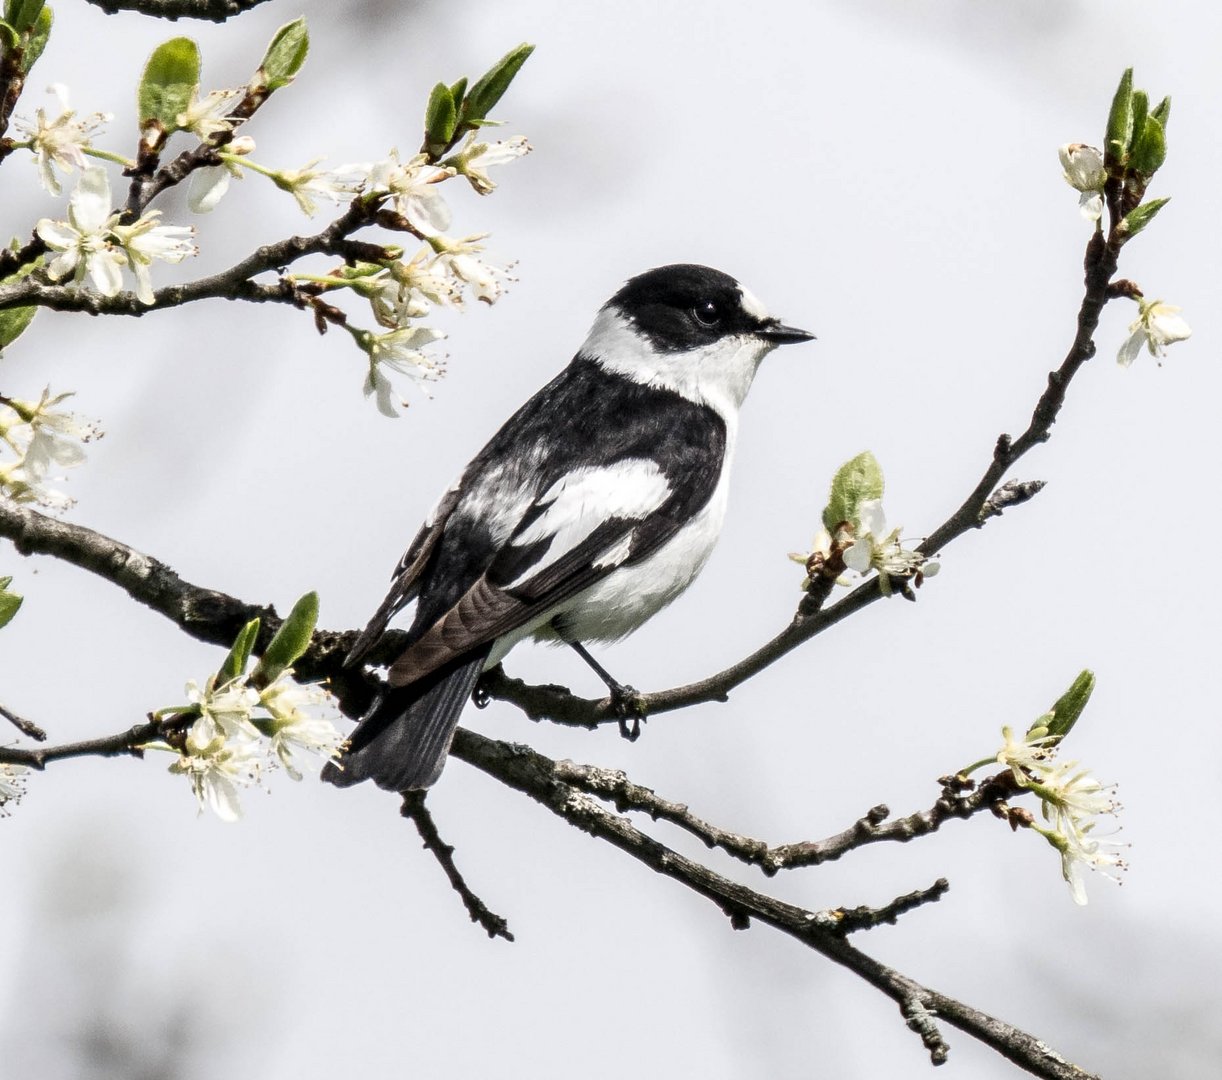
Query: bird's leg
point(624, 699)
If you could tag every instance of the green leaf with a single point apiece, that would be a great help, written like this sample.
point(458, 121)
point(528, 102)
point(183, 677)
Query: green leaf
point(458, 90)
point(440, 120)
point(1162, 112)
point(1141, 109)
point(1064, 714)
point(239, 655)
point(483, 96)
point(171, 77)
point(9, 602)
point(8, 36)
point(13, 321)
point(1150, 150)
point(285, 55)
point(1120, 121)
point(37, 40)
point(1136, 220)
point(855, 482)
point(23, 14)
point(291, 640)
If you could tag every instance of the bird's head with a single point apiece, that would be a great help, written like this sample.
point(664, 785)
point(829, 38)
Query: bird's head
point(690, 329)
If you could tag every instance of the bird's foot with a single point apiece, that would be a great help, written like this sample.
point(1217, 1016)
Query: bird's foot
point(629, 709)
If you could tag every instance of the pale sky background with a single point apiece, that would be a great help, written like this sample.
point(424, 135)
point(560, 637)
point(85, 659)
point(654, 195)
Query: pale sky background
point(883, 173)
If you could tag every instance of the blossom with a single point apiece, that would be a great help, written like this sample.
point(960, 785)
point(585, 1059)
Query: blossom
point(412, 185)
point(1072, 801)
point(1158, 325)
point(461, 258)
point(217, 763)
point(308, 183)
point(54, 435)
point(60, 142)
point(84, 240)
point(225, 710)
point(211, 115)
point(1072, 804)
point(398, 350)
point(12, 784)
point(208, 185)
point(475, 159)
point(18, 485)
point(145, 240)
point(1084, 172)
point(1025, 756)
point(406, 291)
point(294, 730)
point(874, 548)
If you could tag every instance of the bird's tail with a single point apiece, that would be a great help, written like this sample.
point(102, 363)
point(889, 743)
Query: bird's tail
point(401, 743)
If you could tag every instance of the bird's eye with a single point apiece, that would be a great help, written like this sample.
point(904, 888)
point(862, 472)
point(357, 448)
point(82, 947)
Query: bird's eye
point(707, 313)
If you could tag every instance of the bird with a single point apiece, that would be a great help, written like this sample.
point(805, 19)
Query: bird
point(593, 507)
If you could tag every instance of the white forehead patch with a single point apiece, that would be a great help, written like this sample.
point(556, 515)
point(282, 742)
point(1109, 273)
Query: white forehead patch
point(751, 304)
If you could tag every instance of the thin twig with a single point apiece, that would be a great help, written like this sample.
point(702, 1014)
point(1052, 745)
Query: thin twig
point(851, 920)
point(129, 742)
point(955, 802)
point(414, 808)
point(27, 727)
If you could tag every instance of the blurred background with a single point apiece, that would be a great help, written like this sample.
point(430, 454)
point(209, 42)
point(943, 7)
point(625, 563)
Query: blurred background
point(884, 173)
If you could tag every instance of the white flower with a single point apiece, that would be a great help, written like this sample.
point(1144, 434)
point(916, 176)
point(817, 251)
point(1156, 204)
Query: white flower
point(60, 142)
point(461, 258)
point(145, 240)
point(475, 159)
point(53, 435)
point(21, 488)
point(1071, 801)
point(874, 548)
point(1084, 172)
point(308, 183)
point(84, 241)
point(292, 728)
point(12, 785)
point(217, 763)
point(1158, 325)
point(208, 185)
point(412, 185)
point(398, 350)
point(211, 115)
point(1026, 756)
point(406, 291)
point(224, 710)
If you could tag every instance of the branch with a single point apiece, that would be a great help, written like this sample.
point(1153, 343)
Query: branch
point(129, 742)
point(414, 808)
point(173, 10)
point(987, 500)
point(27, 727)
point(957, 801)
point(231, 284)
point(541, 778)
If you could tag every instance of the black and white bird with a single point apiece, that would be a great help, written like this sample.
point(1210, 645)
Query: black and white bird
point(596, 504)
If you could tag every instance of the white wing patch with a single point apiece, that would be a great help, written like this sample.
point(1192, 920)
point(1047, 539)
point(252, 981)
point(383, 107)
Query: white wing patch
point(617, 552)
point(580, 501)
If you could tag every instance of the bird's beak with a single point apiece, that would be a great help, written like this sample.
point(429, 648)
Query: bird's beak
point(779, 334)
